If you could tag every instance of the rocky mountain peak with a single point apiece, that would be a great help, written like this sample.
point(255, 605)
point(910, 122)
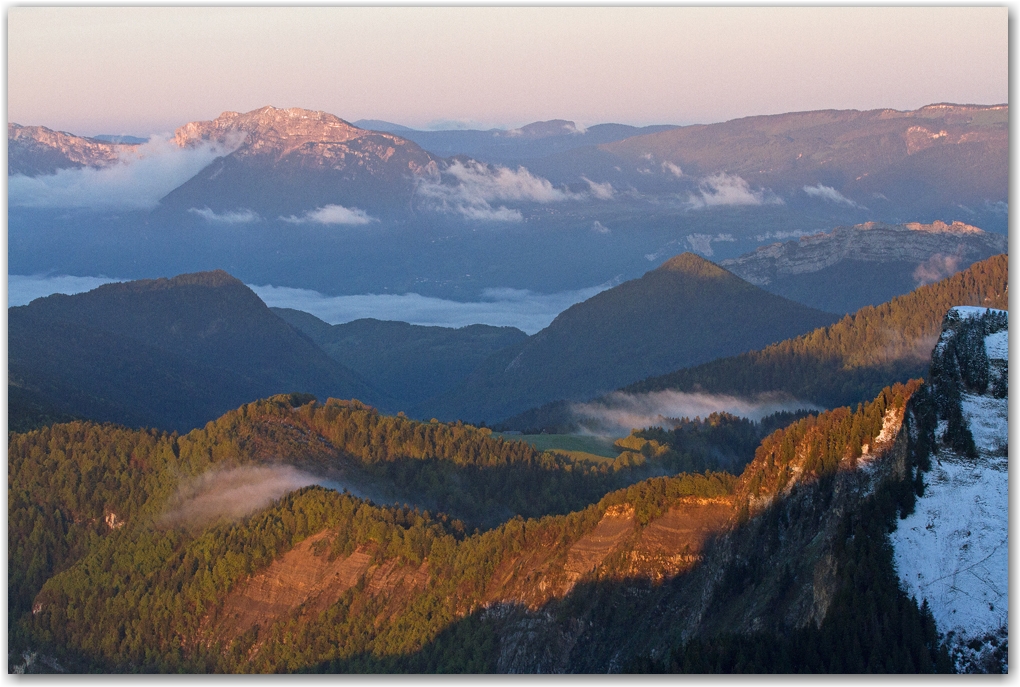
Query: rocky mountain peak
point(270, 127)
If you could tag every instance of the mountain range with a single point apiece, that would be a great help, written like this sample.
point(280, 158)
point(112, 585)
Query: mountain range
point(168, 353)
point(844, 363)
point(788, 567)
point(508, 146)
point(304, 199)
point(685, 312)
point(808, 467)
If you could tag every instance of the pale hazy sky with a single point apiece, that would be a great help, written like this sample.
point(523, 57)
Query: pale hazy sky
point(146, 69)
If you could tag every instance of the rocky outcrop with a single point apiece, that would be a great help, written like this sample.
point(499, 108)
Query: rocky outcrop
point(35, 150)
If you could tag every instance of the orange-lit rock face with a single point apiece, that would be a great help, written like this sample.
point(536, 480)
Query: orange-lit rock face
point(318, 138)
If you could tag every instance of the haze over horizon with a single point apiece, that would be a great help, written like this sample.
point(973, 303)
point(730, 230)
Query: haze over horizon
point(145, 70)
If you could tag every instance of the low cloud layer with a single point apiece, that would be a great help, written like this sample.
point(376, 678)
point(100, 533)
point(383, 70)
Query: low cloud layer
point(233, 493)
point(332, 214)
point(23, 289)
point(618, 413)
point(519, 308)
point(830, 194)
point(241, 216)
point(136, 182)
point(729, 189)
point(473, 190)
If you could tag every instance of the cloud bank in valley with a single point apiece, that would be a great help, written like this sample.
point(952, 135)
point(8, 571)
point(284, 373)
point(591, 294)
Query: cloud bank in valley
point(332, 214)
point(617, 413)
point(473, 189)
point(503, 307)
point(729, 189)
point(136, 182)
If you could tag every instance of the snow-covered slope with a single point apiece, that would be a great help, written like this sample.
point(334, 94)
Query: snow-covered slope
point(953, 550)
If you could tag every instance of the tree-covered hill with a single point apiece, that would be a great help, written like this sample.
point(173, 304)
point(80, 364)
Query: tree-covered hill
point(167, 353)
point(686, 312)
point(409, 363)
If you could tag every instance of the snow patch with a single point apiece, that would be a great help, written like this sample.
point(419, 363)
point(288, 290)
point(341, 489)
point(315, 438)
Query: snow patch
point(997, 345)
point(953, 550)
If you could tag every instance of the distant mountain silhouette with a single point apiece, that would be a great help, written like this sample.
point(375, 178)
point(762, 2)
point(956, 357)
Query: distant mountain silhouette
point(686, 312)
point(170, 353)
point(410, 363)
point(508, 146)
point(937, 156)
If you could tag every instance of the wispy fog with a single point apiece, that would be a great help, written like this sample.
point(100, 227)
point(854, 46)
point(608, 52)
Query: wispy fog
point(234, 493)
point(936, 268)
point(22, 289)
point(673, 169)
point(617, 413)
point(137, 181)
point(519, 308)
point(830, 194)
point(729, 189)
point(604, 191)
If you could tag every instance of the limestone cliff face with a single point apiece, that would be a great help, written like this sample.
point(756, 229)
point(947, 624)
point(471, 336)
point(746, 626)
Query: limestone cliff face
point(913, 243)
point(35, 150)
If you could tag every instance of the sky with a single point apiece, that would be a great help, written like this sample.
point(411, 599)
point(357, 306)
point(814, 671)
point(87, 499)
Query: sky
point(148, 70)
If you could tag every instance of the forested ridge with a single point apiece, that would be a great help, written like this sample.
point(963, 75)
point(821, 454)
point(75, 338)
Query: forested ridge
point(135, 594)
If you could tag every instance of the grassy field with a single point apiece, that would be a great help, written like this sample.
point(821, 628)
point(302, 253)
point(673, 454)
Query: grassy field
point(578, 447)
